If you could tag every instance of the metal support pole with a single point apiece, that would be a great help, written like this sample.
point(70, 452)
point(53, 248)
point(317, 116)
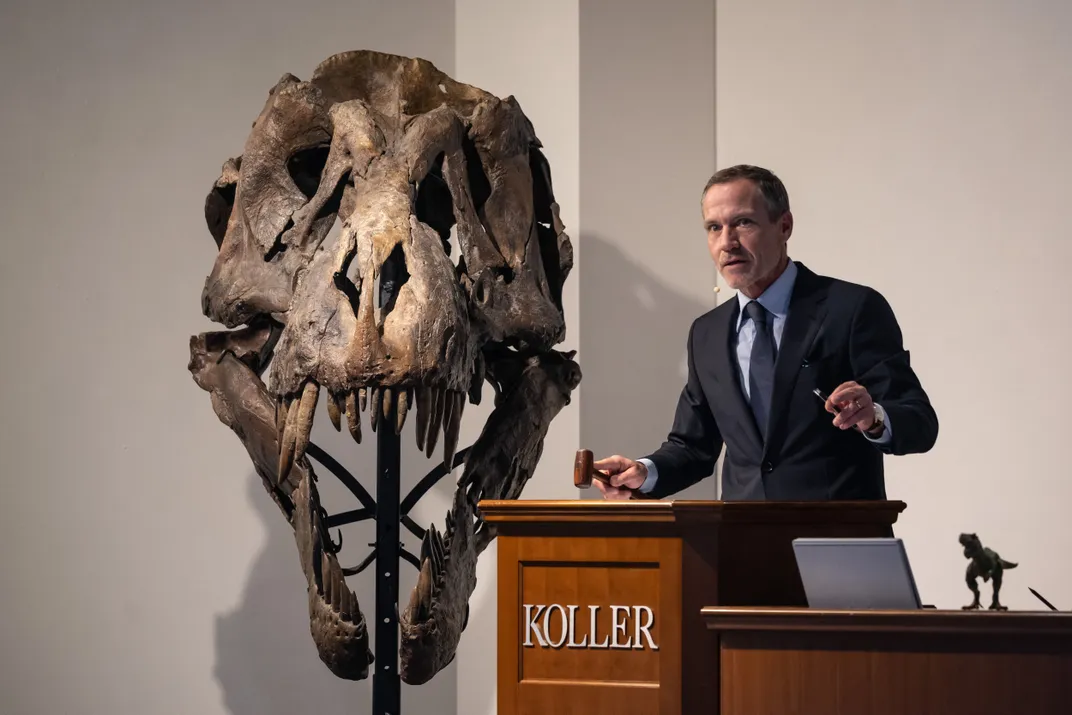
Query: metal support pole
point(386, 685)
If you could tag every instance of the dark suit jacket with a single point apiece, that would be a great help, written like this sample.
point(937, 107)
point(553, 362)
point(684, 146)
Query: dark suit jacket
point(835, 331)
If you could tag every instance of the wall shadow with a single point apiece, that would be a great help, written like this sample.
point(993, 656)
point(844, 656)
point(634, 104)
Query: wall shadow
point(266, 662)
point(634, 326)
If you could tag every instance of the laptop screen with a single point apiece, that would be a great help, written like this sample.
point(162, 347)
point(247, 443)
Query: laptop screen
point(856, 573)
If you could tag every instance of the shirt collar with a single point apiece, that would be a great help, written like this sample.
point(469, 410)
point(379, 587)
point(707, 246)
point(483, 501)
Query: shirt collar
point(776, 297)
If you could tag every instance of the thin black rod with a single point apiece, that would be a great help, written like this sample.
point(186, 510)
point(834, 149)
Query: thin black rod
point(415, 528)
point(344, 476)
point(429, 481)
point(412, 559)
point(386, 685)
point(361, 566)
point(348, 517)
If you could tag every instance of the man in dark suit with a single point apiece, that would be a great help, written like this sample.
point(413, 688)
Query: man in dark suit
point(755, 361)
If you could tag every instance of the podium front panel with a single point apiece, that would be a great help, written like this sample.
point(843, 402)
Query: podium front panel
point(599, 602)
point(590, 625)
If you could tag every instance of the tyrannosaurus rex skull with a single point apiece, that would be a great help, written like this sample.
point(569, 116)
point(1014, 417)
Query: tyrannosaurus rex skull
point(446, 270)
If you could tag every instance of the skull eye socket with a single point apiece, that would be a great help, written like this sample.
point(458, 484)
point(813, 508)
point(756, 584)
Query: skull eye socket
point(479, 185)
point(305, 167)
point(218, 207)
point(542, 199)
point(393, 275)
point(434, 205)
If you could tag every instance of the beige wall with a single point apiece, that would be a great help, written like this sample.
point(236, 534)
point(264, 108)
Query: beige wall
point(144, 568)
point(528, 50)
point(647, 148)
point(926, 150)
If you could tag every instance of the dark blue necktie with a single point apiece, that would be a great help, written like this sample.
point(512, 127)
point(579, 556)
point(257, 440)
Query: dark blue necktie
point(761, 365)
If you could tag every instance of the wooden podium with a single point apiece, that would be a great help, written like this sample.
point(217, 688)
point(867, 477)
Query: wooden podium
point(599, 602)
point(928, 662)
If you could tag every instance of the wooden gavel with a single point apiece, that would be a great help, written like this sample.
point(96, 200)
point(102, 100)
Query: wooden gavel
point(584, 471)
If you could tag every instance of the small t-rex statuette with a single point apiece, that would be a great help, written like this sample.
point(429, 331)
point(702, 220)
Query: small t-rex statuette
point(986, 563)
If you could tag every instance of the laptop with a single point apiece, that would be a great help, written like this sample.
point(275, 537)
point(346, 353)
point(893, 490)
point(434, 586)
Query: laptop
point(856, 573)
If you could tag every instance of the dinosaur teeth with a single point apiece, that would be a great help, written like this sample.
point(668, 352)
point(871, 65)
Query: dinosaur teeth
point(304, 421)
point(452, 426)
point(436, 421)
point(297, 426)
point(286, 445)
point(435, 548)
point(377, 405)
point(282, 407)
point(403, 409)
point(476, 385)
point(331, 596)
point(424, 414)
point(425, 548)
point(440, 554)
point(420, 602)
point(335, 410)
point(433, 554)
point(345, 600)
point(439, 413)
point(353, 418)
point(388, 401)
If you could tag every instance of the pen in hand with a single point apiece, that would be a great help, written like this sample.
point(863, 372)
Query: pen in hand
point(826, 399)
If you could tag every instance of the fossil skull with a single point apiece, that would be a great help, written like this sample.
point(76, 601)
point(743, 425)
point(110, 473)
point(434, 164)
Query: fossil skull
point(446, 271)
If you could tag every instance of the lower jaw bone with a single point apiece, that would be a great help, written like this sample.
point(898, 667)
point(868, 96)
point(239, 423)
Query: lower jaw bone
point(336, 623)
point(499, 464)
point(531, 392)
point(242, 402)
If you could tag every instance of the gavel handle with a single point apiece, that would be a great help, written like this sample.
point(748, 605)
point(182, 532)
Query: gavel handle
point(605, 478)
point(585, 472)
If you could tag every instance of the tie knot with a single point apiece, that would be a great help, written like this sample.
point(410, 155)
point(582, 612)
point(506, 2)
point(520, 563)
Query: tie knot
point(757, 313)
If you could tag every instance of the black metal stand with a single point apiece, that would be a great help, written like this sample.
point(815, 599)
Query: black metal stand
point(390, 513)
point(386, 685)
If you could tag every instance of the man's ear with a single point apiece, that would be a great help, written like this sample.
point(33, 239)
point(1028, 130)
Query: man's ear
point(786, 224)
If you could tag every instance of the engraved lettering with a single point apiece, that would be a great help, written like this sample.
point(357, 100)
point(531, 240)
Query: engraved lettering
point(593, 629)
point(531, 627)
point(556, 626)
point(573, 630)
point(622, 627)
point(649, 618)
point(547, 628)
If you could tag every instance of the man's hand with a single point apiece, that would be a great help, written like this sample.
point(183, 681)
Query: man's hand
point(623, 472)
point(857, 409)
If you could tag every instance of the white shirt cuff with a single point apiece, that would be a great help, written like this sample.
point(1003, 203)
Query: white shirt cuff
point(887, 433)
point(653, 476)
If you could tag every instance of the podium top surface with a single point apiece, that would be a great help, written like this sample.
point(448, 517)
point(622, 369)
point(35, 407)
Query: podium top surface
point(927, 620)
point(677, 511)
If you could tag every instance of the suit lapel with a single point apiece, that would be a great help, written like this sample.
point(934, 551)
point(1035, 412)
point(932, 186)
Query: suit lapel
point(806, 311)
point(726, 364)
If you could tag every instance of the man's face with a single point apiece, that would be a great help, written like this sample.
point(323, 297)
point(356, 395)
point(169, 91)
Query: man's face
point(747, 245)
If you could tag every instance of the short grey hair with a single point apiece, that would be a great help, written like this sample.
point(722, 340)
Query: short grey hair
point(770, 186)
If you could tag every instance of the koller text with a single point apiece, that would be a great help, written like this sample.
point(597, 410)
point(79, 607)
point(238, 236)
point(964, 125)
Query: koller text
point(555, 626)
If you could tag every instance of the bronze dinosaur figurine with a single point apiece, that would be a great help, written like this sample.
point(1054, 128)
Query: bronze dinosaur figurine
point(986, 563)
